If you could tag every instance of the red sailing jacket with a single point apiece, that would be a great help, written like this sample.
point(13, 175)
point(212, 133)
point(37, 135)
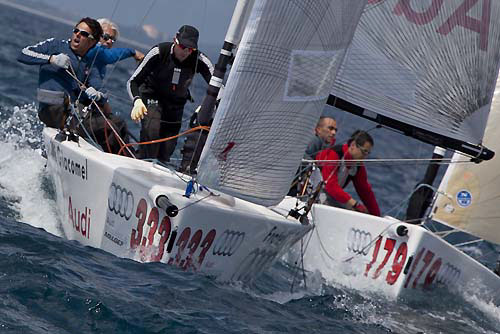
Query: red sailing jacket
point(329, 172)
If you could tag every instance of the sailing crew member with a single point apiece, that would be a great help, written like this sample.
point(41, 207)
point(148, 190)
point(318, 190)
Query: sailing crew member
point(160, 88)
point(337, 175)
point(325, 132)
point(58, 61)
point(324, 137)
point(101, 55)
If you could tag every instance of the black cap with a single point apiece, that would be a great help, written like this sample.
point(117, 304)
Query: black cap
point(188, 36)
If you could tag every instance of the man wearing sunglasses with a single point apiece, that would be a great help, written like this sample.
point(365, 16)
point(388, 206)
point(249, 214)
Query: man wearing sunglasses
point(59, 61)
point(337, 175)
point(103, 53)
point(159, 88)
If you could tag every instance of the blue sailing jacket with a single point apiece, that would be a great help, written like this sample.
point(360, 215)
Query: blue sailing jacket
point(54, 78)
point(100, 56)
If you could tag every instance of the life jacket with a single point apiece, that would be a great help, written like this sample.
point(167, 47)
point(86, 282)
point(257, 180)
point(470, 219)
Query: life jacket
point(344, 174)
point(172, 80)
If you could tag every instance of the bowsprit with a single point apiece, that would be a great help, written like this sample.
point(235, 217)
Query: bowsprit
point(120, 201)
point(228, 243)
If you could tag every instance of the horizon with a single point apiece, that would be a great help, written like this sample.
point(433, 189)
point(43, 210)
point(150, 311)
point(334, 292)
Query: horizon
point(132, 16)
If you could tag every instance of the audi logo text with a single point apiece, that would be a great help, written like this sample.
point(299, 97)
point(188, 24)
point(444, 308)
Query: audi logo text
point(121, 201)
point(358, 241)
point(228, 243)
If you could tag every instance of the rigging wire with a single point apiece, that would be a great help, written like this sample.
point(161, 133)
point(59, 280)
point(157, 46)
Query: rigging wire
point(353, 162)
point(139, 24)
point(108, 122)
point(301, 256)
point(380, 235)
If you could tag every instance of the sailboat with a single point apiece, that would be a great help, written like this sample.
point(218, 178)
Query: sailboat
point(287, 60)
point(473, 207)
point(427, 69)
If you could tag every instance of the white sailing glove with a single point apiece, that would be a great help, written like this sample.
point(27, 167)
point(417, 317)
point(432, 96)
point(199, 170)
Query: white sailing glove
point(93, 94)
point(61, 60)
point(138, 111)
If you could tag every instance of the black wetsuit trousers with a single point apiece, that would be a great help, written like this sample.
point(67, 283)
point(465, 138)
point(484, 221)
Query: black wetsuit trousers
point(162, 120)
point(53, 116)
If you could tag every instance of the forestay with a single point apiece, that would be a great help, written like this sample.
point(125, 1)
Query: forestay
point(475, 188)
point(430, 64)
point(278, 85)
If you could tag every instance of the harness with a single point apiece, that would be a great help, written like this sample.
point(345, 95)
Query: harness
point(166, 49)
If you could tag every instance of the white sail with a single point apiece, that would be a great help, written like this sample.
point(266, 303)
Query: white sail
point(475, 188)
point(431, 64)
point(278, 85)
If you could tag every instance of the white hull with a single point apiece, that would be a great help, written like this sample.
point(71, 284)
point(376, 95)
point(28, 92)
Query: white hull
point(108, 202)
point(406, 267)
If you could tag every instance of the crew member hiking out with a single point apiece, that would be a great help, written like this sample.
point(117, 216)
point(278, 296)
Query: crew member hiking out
point(338, 174)
point(160, 88)
point(61, 65)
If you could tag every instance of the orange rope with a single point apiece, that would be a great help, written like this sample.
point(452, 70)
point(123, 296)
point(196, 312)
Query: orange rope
point(156, 141)
point(106, 136)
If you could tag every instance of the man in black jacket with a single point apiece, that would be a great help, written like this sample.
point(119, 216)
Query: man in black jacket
point(159, 88)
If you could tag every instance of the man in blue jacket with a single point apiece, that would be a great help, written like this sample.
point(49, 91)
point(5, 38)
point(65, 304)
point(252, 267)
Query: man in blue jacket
point(97, 124)
point(61, 64)
point(104, 54)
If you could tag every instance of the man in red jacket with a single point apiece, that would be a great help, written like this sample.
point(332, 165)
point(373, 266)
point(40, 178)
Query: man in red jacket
point(338, 174)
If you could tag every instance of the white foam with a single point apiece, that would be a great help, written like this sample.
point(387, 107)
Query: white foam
point(23, 169)
point(487, 307)
point(21, 179)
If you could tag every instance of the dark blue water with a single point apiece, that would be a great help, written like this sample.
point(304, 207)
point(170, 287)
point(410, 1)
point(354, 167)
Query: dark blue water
point(51, 285)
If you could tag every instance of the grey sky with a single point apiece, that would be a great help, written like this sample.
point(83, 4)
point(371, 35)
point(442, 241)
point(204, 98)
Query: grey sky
point(211, 17)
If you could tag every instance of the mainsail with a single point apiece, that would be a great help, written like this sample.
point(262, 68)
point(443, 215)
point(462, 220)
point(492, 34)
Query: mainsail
point(474, 188)
point(428, 65)
point(282, 75)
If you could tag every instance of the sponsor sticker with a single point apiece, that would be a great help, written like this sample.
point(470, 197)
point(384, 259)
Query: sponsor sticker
point(464, 198)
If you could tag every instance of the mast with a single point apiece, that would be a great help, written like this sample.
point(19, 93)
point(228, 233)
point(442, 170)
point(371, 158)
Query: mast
point(286, 64)
point(232, 39)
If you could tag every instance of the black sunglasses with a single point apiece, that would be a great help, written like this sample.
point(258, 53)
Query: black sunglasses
point(84, 33)
point(108, 37)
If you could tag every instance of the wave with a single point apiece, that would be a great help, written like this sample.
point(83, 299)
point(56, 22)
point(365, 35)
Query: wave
point(25, 187)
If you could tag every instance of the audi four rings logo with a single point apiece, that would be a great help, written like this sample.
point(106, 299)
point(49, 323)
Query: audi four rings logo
point(121, 201)
point(256, 261)
point(358, 240)
point(448, 274)
point(228, 243)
